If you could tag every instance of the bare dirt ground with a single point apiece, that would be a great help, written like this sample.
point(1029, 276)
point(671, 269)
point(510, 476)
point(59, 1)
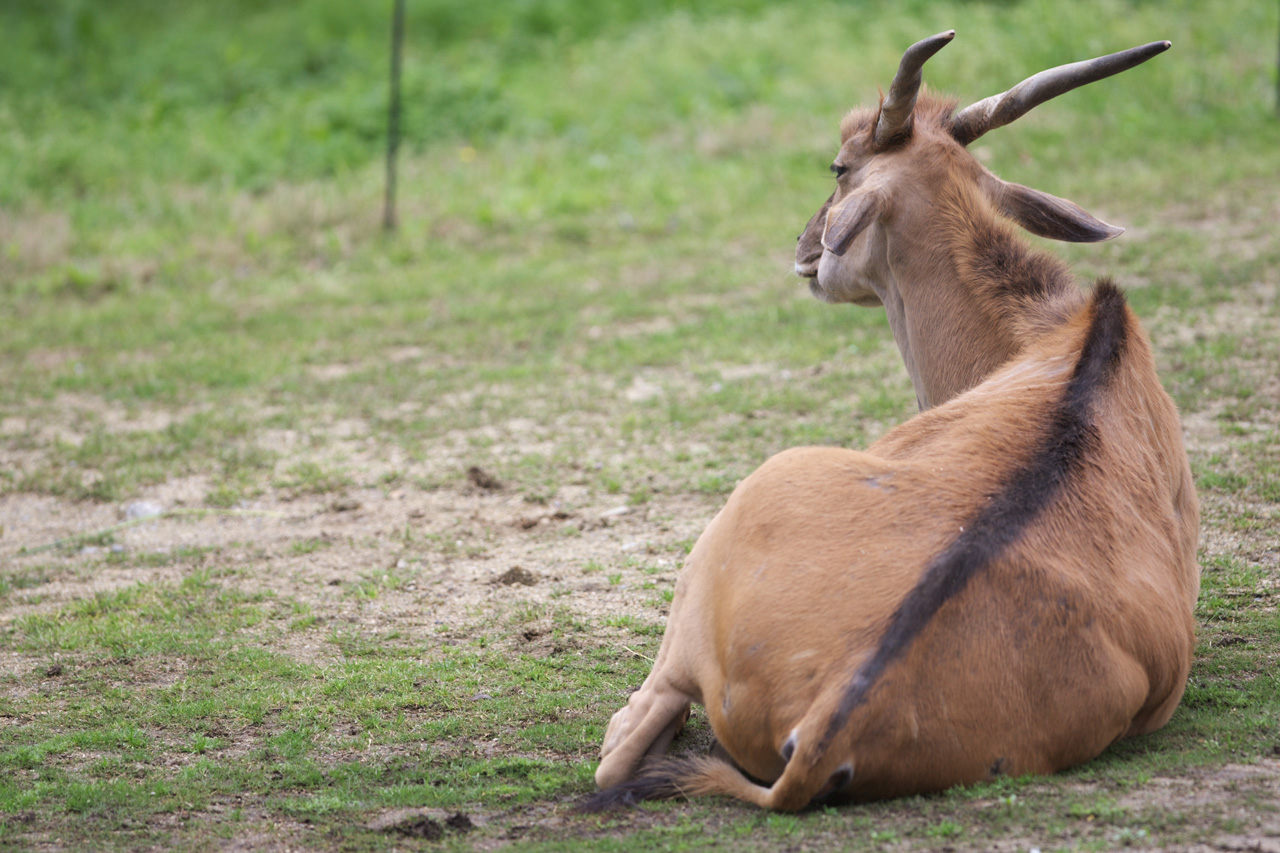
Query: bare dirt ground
point(455, 552)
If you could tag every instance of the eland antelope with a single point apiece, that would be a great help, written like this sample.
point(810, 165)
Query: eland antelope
point(1003, 584)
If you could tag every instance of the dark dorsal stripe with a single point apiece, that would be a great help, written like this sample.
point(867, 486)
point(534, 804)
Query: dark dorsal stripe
point(1004, 519)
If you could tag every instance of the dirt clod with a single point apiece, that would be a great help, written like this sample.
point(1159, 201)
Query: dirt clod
point(420, 827)
point(54, 671)
point(459, 822)
point(517, 575)
point(482, 479)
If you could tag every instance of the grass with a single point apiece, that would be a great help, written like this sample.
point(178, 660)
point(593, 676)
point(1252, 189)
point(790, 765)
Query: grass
point(589, 300)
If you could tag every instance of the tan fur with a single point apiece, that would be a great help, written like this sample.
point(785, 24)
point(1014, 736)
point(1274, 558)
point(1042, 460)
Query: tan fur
point(1078, 633)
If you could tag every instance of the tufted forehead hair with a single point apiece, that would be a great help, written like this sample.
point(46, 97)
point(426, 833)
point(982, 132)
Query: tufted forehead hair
point(858, 120)
point(931, 110)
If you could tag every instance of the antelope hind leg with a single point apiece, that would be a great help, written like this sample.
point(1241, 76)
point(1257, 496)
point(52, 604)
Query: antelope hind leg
point(644, 728)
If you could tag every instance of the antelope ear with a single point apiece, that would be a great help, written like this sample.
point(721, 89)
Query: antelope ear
point(1049, 216)
point(850, 217)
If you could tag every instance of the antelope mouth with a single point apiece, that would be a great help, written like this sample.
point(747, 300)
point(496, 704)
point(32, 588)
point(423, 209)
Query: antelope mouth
point(816, 290)
point(808, 269)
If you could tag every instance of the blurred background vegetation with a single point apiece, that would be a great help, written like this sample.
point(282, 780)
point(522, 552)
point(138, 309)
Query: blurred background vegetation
point(100, 95)
point(191, 192)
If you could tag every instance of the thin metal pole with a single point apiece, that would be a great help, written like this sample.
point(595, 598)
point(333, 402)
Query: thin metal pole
point(393, 116)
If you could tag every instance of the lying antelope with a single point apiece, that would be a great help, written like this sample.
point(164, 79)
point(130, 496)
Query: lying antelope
point(1003, 584)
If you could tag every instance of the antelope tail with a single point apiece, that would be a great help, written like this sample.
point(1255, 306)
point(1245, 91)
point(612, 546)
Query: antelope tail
point(678, 777)
point(805, 778)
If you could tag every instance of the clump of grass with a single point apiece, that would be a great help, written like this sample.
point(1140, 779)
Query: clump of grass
point(311, 478)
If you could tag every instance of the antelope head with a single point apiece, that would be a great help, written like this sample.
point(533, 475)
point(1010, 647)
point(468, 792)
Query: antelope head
point(894, 159)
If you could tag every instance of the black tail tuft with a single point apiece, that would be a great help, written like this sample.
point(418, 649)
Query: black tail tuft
point(1104, 343)
point(660, 782)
